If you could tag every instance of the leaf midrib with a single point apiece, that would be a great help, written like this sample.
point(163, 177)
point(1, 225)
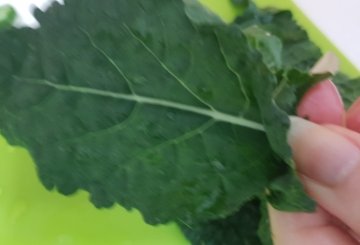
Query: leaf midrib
point(211, 113)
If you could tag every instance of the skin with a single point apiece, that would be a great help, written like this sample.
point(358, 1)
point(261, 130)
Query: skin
point(353, 116)
point(323, 93)
point(327, 159)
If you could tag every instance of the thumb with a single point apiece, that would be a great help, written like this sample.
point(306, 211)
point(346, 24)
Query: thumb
point(328, 162)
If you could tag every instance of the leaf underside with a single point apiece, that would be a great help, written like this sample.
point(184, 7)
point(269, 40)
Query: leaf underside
point(160, 106)
point(152, 111)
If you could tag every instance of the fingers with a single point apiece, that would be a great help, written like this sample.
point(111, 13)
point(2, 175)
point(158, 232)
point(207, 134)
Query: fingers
point(322, 103)
point(329, 164)
point(352, 136)
point(306, 228)
point(353, 116)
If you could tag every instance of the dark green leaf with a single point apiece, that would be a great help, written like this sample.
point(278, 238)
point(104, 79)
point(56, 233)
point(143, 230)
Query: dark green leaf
point(292, 85)
point(270, 46)
point(284, 195)
point(298, 51)
point(349, 88)
point(199, 14)
point(264, 229)
point(160, 106)
point(237, 229)
point(138, 104)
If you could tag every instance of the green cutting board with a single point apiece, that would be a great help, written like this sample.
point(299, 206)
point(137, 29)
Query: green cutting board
point(30, 215)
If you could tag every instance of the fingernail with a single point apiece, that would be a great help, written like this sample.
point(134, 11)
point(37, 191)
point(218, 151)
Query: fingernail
point(320, 154)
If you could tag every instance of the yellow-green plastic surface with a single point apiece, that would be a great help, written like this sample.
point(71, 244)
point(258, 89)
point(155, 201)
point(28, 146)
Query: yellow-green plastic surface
point(30, 215)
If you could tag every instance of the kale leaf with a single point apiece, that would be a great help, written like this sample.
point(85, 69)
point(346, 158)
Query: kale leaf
point(237, 229)
point(160, 106)
point(140, 103)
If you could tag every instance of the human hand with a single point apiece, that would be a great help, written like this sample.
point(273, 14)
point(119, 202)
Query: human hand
point(328, 162)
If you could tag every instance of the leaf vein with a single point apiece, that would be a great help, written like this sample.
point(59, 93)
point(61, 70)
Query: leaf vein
point(239, 79)
point(112, 129)
point(180, 139)
point(167, 69)
point(109, 59)
point(216, 115)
